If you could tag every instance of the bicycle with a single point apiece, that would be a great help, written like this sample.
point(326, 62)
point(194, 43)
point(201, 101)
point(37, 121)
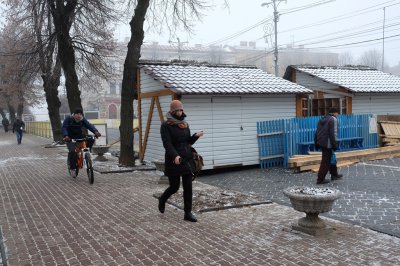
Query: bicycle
point(84, 159)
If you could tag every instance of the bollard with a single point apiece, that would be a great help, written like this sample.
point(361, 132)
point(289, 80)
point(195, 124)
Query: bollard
point(3, 248)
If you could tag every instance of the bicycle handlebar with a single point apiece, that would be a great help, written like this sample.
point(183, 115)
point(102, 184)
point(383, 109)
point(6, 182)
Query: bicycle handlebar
point(83, 139)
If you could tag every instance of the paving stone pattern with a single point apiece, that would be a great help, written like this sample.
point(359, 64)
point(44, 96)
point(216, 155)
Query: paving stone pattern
point(370, 190)
point(49, 218)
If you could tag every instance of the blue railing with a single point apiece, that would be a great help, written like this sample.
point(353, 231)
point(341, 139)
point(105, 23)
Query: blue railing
point(278, 140)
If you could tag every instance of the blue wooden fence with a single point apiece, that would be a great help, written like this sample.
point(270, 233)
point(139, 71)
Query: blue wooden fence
point(278, 140)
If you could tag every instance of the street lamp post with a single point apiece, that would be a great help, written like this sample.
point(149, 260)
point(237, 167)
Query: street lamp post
point(276, 19)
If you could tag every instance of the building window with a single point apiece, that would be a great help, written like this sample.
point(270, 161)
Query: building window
point(113, 87)
point(320, 106)
point(112, 111)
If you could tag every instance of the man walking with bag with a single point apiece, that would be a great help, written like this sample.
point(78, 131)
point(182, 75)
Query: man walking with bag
point(326, 139)
point(18, 128)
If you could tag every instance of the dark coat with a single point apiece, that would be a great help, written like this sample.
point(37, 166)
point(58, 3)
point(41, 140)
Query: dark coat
point(73, 129)
point(177, 141)
point(19, 126)
point(326, 134)
point(5, 122)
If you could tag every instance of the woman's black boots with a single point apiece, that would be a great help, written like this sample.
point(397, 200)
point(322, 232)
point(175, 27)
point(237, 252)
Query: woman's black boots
point(190, 217)
point(161, 205)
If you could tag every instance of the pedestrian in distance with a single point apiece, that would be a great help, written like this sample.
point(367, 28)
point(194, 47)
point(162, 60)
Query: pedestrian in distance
point(18, 128)
point(72, 128)
point(177, 141)
point(326, 137)
point(5, 123)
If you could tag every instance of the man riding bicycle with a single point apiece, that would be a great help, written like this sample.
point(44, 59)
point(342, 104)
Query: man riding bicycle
point(72, 129)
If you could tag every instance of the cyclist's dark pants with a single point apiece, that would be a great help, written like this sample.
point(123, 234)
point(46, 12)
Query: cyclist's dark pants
point(72, 156)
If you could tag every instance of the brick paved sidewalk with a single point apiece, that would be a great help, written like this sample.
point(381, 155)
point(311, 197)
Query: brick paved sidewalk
point(49, 218)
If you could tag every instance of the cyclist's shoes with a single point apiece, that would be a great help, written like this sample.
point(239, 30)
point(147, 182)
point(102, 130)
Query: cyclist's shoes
point(73, 173)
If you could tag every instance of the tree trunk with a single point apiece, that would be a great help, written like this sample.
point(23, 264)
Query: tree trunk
point(129, 81)
point(67, 57)
point(53, 106)
point(20, 106)
point(11, 110)
point(63, 13)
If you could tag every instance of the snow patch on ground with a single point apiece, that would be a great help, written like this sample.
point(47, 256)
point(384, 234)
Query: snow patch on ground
point(7, 142)
point(18, 160)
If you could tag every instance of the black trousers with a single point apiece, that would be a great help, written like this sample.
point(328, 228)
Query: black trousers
point(72, 156)
point(326, 165)
point(174, 183)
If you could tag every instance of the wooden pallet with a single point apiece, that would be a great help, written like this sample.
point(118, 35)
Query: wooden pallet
point(310, 162)
point(392, 133)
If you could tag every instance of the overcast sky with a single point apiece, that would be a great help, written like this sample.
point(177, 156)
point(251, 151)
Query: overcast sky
point(331, 25)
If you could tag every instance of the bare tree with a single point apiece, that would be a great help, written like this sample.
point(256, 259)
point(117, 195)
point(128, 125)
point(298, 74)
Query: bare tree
point(394, 69)
point(72, 35)
point(371, 58)
point(346, 58)
point(18, 72)
point(169, 13)
point(83, 35)
point(35, 16)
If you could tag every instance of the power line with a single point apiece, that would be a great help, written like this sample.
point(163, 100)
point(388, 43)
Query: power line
point(243, 31)
point(353, 35)
point(353, 28)
point(287, 11)
point(229, 37)
point(366, 41)
point(341, 17)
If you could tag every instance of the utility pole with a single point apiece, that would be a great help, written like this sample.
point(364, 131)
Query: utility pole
point(179, 47)
point(276, 15)
point(383, 39)
point(276, 19)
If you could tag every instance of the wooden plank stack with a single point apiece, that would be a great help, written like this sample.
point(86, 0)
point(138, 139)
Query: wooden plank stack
point(311, 162)
point(392, 133)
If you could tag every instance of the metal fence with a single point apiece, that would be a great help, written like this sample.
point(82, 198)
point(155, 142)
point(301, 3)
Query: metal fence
point(42, 129)
point(278, 140)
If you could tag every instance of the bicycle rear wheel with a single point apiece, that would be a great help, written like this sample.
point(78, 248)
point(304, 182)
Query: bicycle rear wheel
point(89, 168)
point(72, 172)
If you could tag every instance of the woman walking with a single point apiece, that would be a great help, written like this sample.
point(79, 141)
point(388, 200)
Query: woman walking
point(177, 141)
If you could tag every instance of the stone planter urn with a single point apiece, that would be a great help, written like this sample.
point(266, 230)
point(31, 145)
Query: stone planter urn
point(312, 201)
point(160, 166)
point(100, 150)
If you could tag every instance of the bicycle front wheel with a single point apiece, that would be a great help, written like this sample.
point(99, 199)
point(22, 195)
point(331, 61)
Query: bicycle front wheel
point(89, 168)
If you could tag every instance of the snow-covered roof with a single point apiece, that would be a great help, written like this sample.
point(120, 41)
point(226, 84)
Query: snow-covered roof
point(356, 79)
point(210, 79)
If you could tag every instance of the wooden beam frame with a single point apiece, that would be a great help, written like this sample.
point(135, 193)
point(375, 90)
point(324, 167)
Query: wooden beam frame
point(143, 144)
point(335, 91)
point(146, 134)
point(154, 95)
point(157, 93)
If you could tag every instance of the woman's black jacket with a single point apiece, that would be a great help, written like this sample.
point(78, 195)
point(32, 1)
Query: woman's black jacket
point(177, 141)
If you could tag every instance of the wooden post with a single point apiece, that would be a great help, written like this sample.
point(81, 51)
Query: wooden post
point(139, 114)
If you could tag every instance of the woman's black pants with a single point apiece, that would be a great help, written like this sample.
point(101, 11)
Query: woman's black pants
point(174, 183)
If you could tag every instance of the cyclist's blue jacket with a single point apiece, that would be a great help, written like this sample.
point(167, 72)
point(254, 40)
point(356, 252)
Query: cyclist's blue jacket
point(73, 128)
